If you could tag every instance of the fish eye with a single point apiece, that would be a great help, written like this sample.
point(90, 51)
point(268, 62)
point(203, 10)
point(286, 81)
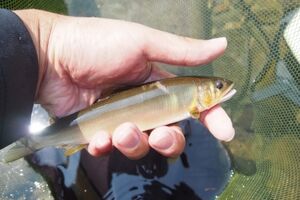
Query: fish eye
point(219, 84)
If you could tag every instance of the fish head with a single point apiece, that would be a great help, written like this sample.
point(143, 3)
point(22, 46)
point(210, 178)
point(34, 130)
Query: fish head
point(212, 91)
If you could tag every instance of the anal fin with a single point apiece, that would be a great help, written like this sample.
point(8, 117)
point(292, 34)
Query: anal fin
point(71, 149)
point(193, 110)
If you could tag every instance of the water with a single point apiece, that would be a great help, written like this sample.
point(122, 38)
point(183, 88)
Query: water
point(20, 181)
point(201, 172)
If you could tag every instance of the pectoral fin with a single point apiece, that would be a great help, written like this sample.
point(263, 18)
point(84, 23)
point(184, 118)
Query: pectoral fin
point(71, 149)
point(193, 110)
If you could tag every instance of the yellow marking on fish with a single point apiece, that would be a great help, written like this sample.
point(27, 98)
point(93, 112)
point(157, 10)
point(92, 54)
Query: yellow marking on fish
point(73, 149)
point(193, 109)
point(207, 100)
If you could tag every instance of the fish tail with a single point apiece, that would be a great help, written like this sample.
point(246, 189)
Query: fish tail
point(17, 150)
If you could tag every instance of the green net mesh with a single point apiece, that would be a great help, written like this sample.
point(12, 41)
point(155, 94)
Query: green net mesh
point(263, 59)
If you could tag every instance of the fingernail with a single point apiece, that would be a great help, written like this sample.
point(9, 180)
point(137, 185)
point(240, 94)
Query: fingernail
point(163, 141)
point(127, 139)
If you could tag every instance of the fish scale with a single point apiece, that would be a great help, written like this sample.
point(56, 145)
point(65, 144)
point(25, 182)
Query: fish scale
point(147, 106)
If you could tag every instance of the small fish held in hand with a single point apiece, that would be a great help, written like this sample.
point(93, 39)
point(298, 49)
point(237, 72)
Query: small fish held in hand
point(148, 106)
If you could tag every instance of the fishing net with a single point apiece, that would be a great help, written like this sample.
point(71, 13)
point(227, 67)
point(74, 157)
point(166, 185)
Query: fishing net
point(263, 60)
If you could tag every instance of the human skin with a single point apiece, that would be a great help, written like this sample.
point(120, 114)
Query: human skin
point(84, 59)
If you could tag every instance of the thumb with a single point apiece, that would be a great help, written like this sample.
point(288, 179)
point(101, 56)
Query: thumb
point(172, 49)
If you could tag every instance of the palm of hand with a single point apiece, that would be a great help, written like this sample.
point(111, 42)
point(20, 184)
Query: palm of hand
point(83, 58)
point(72, 81)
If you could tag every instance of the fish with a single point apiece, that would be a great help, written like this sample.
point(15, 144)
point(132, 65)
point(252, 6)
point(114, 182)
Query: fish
point(148, 106)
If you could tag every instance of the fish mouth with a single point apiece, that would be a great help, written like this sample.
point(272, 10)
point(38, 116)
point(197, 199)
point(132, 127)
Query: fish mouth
point(229, 93)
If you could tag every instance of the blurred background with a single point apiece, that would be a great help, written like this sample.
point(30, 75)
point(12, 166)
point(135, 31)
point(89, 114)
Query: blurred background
point(263, 60)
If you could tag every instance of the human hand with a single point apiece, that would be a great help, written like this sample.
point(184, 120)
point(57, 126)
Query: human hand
point(83, 59)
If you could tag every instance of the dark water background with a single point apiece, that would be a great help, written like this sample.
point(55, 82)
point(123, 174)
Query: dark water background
point(201, 172)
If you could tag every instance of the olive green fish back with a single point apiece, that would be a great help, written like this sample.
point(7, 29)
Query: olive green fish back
point(263, 59)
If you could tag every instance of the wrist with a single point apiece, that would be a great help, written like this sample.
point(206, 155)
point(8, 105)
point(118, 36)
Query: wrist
point(39, 24)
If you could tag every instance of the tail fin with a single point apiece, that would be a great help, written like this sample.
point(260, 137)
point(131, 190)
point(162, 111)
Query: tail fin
point(16, 151)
